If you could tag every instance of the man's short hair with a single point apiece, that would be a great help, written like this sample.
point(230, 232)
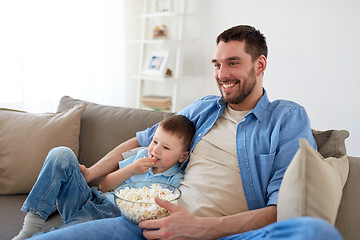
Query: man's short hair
point(181, 127)
point(255, 41)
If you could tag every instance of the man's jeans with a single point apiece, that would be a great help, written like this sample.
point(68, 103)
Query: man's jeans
point(304, 228)
point(61, 181)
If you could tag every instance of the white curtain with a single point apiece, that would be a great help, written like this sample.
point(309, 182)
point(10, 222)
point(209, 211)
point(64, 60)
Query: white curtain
point(53, 48)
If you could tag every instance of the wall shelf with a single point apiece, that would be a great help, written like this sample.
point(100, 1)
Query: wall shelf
point(173, 44)
point(160, 15)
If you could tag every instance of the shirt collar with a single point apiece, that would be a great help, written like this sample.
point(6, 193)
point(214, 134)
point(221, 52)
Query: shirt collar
point(259, 109)
point(261, 106)
point(170, 172)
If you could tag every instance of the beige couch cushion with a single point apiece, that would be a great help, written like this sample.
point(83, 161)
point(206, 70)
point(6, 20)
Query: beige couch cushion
point(104, 127)
point(331, 143)
point(25, 140)
point(312, 185)
point(348, 218)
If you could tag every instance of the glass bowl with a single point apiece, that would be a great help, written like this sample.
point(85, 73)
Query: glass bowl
point(136, 200)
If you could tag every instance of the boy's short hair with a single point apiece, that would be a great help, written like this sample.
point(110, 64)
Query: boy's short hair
point(181, 127)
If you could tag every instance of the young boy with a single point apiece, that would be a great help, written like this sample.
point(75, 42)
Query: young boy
point(60, 179)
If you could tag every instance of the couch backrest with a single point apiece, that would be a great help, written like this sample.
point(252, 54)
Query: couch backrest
point(105, 127)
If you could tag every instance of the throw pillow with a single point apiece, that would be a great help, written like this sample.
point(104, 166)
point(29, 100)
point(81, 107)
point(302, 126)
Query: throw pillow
point(331, 143)
point(312, 185)
point(25, 140)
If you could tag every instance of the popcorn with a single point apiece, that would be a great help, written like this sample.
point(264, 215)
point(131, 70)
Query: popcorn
point(138, 204)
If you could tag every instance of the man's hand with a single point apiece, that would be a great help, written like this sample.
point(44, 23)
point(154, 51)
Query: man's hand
point(179, 225)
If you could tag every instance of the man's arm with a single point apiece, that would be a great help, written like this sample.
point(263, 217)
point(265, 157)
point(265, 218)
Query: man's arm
point(109, 163)
point(181, 224)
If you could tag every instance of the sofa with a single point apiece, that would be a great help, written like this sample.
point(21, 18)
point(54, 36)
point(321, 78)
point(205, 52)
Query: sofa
point(321, 183)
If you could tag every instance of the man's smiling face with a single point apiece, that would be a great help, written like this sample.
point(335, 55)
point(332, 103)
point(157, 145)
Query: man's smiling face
point(234, 72)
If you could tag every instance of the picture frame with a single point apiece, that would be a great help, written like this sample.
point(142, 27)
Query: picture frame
point(155, 63)
point(161, 6)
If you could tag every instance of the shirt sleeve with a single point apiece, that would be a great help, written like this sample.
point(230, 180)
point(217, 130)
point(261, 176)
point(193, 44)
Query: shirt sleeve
point(144, 137)
point(294, 126)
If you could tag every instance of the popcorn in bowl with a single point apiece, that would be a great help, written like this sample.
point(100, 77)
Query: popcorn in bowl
point(136, 201)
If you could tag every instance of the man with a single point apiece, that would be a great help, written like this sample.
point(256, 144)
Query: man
point(241, 149)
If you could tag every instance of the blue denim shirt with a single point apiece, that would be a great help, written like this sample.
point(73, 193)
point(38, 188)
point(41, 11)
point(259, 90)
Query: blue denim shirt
point(266, 141)
point(172, 176)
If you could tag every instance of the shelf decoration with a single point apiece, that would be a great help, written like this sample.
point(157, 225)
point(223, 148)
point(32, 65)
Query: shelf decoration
point(160, 32)
point(155, 63)
point(157, 102)
point(162, 29)
point(162, 6)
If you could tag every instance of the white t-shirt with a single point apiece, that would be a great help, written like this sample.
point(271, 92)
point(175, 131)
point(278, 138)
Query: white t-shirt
point(212, 184)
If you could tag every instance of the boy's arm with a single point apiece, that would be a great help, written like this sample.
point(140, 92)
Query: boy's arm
point(115, 179)
point(109, 163)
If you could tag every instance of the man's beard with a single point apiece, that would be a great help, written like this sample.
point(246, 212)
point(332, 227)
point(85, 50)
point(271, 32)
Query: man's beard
point(244, 92)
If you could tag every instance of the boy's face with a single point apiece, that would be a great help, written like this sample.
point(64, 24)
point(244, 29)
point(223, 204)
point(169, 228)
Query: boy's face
point(167, 150)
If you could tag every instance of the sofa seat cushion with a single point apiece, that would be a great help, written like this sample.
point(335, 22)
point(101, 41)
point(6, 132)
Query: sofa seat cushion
point(11, 218)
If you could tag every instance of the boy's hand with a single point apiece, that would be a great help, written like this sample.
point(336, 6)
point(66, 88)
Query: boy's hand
point(142, 165)
point(85, 172)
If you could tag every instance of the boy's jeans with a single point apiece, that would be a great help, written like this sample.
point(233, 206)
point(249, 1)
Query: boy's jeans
point(61, 181)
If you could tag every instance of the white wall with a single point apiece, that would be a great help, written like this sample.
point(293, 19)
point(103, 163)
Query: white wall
point(76, 48)
point(53, 48)
point(313, 55)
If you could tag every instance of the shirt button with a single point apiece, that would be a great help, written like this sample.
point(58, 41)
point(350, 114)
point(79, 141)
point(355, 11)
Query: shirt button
point(199, 135)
